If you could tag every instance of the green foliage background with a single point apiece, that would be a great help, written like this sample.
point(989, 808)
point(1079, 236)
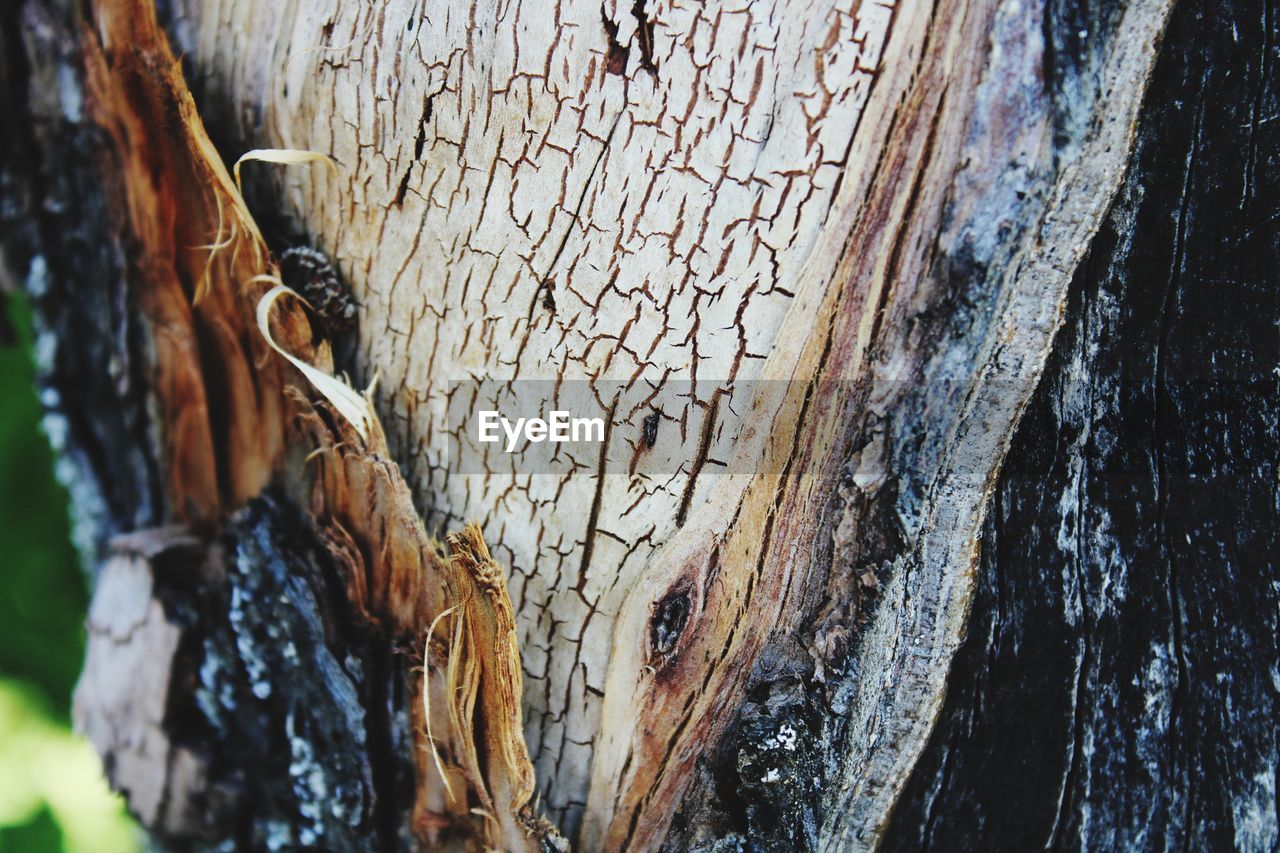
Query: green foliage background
point(52, 794)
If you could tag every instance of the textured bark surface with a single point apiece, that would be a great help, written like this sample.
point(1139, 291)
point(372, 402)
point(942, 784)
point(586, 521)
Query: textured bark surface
point(558, 192)
point(1118, 687)
point(879, 209)
point(659, 193)
point(272, 712)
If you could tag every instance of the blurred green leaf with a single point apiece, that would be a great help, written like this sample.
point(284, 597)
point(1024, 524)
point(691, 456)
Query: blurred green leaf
point(43, 596)
point(53, 796)
point(43, 766)
point(39, 834)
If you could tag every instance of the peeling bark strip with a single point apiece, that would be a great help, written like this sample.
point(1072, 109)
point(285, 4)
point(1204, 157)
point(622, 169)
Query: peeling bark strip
point(877, 206)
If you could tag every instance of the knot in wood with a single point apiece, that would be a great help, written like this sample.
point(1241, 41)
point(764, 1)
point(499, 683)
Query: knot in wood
point(669, 618)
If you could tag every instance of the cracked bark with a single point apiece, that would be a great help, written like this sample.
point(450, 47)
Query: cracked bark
point(738, 635)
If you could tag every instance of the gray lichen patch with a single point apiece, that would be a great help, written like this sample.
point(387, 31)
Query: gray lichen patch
point(274, 681)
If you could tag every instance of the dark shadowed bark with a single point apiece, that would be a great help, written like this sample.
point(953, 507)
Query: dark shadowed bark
point(1118, 687)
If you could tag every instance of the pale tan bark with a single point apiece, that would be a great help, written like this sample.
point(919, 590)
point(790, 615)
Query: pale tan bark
point(491, 161)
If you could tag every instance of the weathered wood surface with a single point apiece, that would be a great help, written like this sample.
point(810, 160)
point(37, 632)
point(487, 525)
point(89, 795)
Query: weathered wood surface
point(1118, 688)
point(220, 418)
point(879, 208)
point(506, 209)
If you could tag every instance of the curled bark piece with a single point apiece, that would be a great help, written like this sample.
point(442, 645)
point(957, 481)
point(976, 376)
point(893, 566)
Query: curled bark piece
point(404, 581)
point(281, 155)
point(353, 407)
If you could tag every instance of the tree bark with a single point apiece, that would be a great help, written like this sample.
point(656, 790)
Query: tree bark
point(807, 261)
point(1116, 687)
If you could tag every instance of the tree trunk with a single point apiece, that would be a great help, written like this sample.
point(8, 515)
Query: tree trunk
point(808, 264)
point(1118, 682)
